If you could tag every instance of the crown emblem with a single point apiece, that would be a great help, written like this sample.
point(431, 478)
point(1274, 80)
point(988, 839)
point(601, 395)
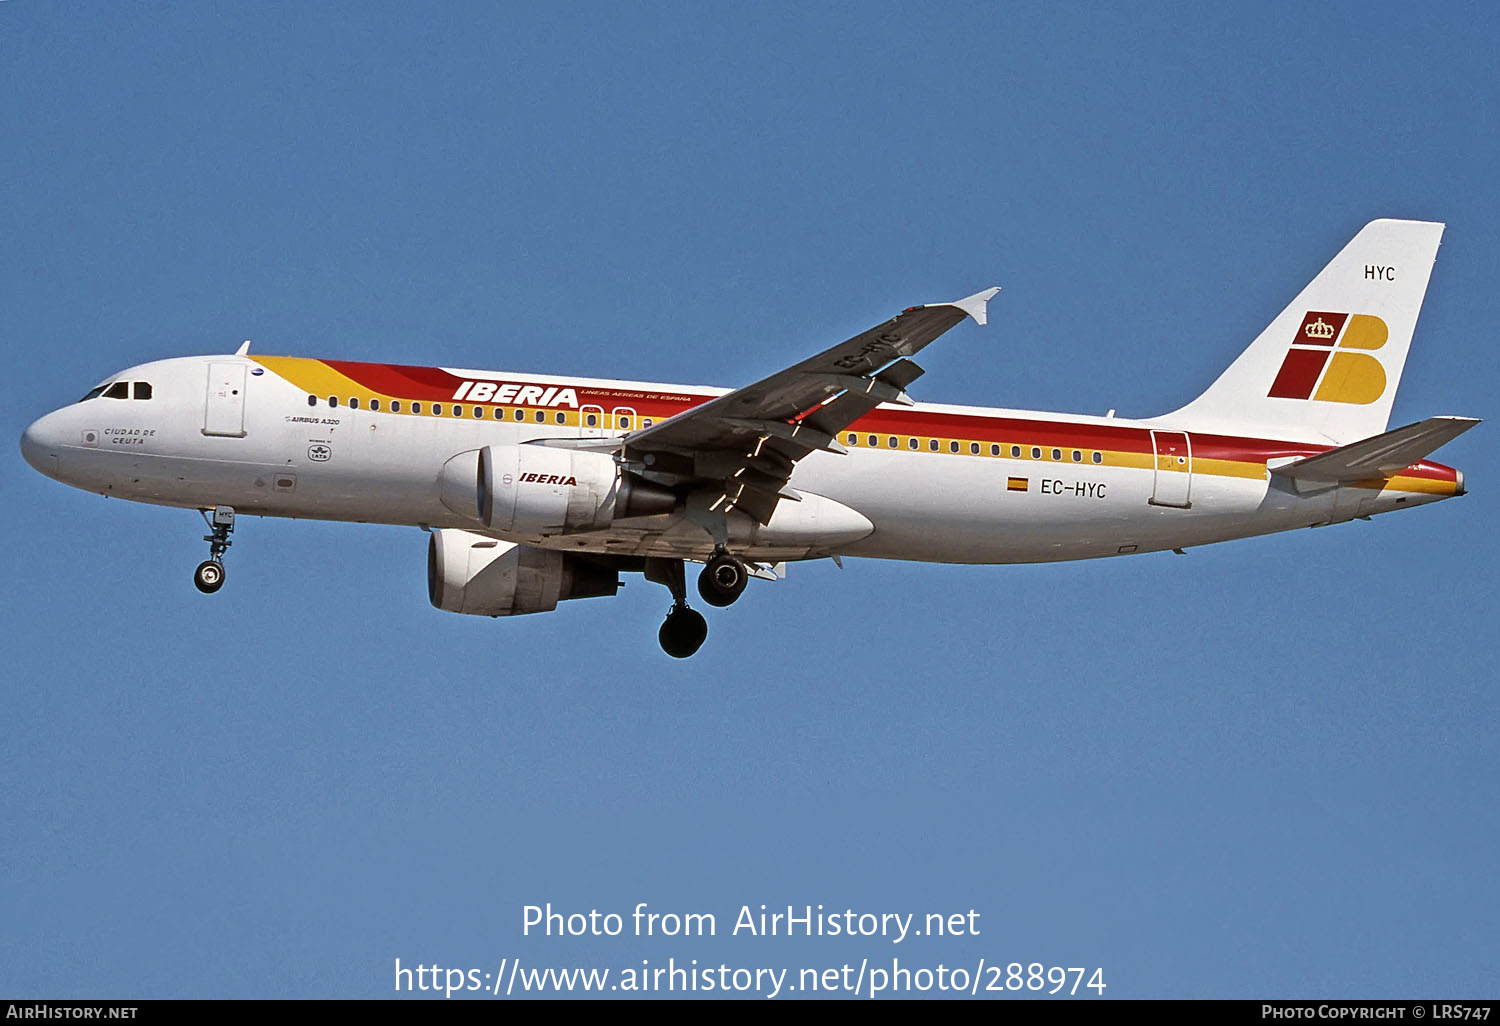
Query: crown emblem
point(1319, 329)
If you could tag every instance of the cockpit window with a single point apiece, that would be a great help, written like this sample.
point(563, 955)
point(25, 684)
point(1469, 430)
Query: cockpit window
point(120, 390)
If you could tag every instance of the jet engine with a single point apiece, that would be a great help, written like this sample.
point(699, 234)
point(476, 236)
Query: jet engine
point(537, 489)
point(469, 573)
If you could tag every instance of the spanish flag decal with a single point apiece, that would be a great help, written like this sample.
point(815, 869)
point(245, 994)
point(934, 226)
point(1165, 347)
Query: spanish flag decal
point(1017, 484)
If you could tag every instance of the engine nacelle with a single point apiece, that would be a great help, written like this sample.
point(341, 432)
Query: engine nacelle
point(469, 573)
point(537, 489)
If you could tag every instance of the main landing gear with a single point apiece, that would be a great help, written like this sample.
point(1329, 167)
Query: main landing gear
point(209, 577)
point(684, 629)
point(682, 632)
point(722, 581)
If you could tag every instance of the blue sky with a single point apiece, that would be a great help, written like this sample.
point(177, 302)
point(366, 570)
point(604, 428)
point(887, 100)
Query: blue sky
point(1267, 768)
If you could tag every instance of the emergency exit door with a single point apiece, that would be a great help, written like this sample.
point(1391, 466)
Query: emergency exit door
point(1174, 469)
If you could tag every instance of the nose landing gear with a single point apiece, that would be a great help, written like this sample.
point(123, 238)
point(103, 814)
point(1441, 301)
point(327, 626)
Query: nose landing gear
point(209, 576)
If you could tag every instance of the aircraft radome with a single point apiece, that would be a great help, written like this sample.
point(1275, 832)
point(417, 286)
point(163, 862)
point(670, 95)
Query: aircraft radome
point(538, 489)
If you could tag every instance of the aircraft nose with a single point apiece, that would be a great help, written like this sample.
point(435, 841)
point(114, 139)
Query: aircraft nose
point(39, 446)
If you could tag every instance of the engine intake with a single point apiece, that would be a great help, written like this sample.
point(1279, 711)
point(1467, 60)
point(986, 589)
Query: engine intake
point(469, 573)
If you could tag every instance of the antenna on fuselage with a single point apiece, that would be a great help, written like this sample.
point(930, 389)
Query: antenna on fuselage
point(243, 349)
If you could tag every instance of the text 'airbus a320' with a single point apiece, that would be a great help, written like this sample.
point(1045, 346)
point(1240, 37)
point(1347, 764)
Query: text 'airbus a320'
point(538, 489)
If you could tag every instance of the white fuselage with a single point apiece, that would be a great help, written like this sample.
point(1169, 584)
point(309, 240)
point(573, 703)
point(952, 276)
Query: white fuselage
point(273, 437)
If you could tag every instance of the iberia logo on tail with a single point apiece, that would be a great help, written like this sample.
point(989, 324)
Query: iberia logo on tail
point(1320, 357)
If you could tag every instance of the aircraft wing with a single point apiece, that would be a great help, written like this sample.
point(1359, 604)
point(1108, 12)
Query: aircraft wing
point(1380, 455)
point(748, 441)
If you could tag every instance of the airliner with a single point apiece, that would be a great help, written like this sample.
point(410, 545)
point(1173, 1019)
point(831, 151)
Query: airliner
point(536, 489)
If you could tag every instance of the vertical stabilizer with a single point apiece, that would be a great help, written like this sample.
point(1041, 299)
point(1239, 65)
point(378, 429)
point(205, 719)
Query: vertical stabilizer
point(1326, 369)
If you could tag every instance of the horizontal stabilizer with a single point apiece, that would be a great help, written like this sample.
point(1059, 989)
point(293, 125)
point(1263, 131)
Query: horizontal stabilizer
point(1380, 456)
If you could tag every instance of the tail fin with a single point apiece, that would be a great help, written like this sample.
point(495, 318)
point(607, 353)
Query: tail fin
point(1327, 367)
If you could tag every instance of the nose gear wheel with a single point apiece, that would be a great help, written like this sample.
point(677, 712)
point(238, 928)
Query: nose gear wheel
point(209, 575)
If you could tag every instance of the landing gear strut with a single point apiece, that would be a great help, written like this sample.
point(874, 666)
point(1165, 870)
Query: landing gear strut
point(723, 579)
point(684, 629)
point(209, 577)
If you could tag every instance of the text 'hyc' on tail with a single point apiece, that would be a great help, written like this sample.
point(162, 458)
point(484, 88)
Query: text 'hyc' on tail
point(1326, 369)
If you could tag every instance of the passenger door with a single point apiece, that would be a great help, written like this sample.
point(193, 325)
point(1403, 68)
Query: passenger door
point(224, 409)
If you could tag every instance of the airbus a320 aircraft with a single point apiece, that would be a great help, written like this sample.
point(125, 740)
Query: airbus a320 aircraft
point(538, 489)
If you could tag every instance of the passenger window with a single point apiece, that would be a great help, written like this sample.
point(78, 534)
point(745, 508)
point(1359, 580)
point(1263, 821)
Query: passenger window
point(932, 443)
point(375, 404)
point(520, 414)
point(1056, 454)
point(973, 448)
point(953, 447)
point(312, 400)
point(395, 405)
point(1077, 456)
point(892, 441)
point(437, 409)
point(995, 449)
point(562, 418)
point(416, 407)
point(353, 404)
point(458, 411)
point(541, 416)
point(479, 412)
point(853, 439)
point(143, 390)
point(119, 390)
point(647, 422)
point(1098, 457)
point(1036, 453)
point(912, 443)
point(1015, 452)
point(333, 401)
point(624, 423)
point(592, 420)
point(874, 440)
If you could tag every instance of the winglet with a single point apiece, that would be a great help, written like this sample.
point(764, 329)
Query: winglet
point(976, 306)
point(243, 349)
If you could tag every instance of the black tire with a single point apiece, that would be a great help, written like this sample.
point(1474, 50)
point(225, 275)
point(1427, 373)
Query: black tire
point(723, 580)
point(209, 577)
point(683, 632)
